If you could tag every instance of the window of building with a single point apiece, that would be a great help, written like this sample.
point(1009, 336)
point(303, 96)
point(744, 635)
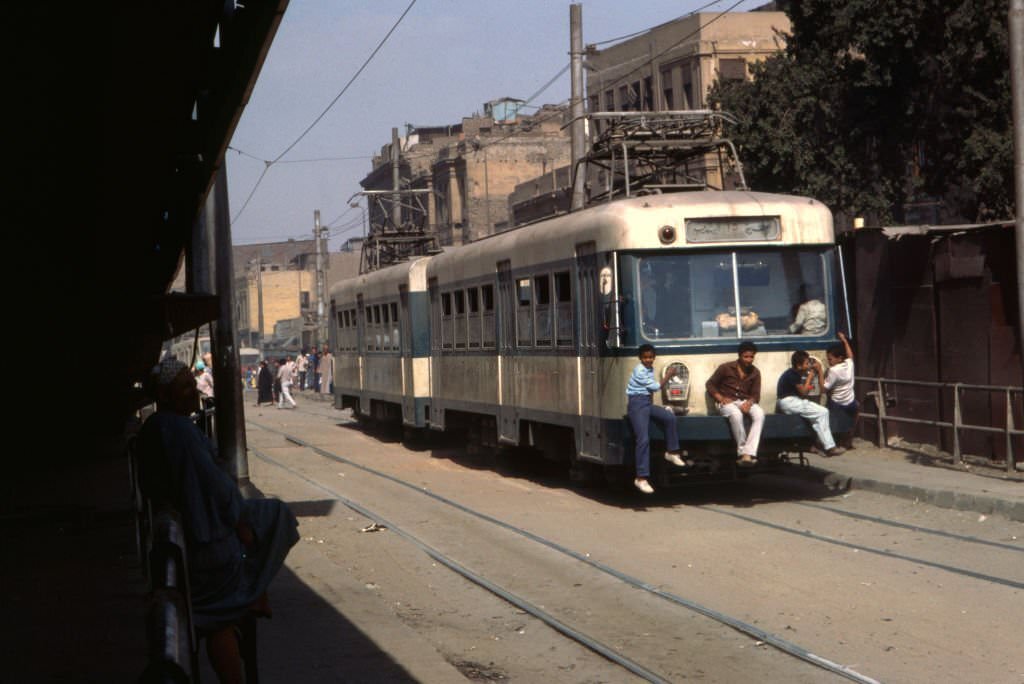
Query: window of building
point(609, 100)
point(732, 69)
point(304, 300)
point(647, 98)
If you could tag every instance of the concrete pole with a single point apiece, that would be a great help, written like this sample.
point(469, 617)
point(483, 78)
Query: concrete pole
point(230, 415)
point(396, 179)
point(1016, 21)
point(320, 235)
point(577, 138)
point(259, 299)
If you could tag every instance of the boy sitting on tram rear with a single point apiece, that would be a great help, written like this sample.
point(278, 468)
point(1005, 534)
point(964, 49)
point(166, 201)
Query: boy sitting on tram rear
point(791, 392)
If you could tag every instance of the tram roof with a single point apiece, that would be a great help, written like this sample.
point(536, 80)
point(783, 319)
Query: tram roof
point(633, 223)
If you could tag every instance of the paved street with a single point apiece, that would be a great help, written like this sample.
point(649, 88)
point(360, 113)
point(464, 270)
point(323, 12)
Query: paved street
point(892, 589)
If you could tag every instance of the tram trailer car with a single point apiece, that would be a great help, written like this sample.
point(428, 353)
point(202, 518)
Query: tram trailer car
point(527, 338)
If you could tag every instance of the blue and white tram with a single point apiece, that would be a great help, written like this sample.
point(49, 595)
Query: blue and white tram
point(528, 337)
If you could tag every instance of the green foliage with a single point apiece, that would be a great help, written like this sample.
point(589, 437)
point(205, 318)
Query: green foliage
point(876, 104)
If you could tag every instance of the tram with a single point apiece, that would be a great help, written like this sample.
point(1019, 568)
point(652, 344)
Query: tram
point(528, 337)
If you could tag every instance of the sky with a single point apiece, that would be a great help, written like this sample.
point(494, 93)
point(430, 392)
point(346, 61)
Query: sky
point(442, 62)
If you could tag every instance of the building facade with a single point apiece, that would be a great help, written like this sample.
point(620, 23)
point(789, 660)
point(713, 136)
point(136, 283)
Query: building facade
point(673, 66)
point(471, 168)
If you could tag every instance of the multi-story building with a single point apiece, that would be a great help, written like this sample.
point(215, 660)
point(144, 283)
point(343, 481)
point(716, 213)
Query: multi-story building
point(470, 168)
point(673, 66)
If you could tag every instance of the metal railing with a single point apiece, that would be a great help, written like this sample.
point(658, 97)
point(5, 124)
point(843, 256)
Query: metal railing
point(1009, 430)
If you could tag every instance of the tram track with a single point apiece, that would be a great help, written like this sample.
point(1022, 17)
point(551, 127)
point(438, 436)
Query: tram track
point(761, 636)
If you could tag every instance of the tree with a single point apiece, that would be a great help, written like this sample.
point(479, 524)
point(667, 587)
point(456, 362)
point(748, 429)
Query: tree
point(876, 104)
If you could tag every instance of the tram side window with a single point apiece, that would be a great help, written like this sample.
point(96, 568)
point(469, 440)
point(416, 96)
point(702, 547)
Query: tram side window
point(487, 319)
point(376, 328)
point(524, 313)
point(563, 309)
point(460, 319)
point(447, 325)
point(354, 339)
point(542, 309)
point(473, 311)
point(395, 328)
point(435, 315)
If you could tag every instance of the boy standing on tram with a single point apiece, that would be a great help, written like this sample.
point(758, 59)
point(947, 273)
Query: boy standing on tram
point(641, 410)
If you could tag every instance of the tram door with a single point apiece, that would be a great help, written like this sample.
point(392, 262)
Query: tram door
point(588, 436)
point(508, 427)
point(361, 339)
point(405, 344)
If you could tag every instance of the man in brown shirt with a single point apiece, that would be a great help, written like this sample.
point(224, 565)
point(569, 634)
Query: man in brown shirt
point(736, 389)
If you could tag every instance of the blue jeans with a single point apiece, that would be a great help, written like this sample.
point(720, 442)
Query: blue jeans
point(641, 411)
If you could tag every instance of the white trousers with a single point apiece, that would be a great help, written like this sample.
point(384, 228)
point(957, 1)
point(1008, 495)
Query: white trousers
point(746, 441)
point(286, 395)
point(814, 413)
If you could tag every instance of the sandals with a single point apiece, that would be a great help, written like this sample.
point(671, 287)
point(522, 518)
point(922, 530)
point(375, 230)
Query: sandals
point(747, 460)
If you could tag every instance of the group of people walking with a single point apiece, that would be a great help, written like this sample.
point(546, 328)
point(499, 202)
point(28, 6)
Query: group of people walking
point(735, 387)
point(309, 371)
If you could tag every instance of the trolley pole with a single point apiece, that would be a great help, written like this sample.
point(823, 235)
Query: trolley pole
point(319, 234)
point(1016, 22)
point(576, 131)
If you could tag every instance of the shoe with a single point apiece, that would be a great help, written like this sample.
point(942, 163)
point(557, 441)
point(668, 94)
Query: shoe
point(747, 460)
point(835, 451)
point(643, 485)
point(674, 459)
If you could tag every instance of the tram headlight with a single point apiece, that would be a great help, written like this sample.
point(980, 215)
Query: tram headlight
point(675, 395)
point(667, 235)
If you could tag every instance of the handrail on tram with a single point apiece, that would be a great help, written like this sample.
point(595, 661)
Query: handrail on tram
point(1009, 429)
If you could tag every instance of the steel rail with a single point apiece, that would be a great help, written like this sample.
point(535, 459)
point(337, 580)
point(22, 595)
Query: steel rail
point(735, 623)
point(860, 547)
point(519, 602)
point(914, 528)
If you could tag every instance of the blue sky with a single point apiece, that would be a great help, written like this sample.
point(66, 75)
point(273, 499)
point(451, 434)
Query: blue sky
point(444, 60)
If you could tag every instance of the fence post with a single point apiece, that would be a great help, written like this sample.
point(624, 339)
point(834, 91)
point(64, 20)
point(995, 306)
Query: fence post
point(957, 456)
point(880, 402)
point(1010, 460)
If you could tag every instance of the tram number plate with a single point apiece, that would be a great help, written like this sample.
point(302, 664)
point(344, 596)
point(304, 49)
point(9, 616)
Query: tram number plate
point(733, 229)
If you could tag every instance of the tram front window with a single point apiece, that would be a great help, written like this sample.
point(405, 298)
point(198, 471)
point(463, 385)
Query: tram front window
point(693, 295)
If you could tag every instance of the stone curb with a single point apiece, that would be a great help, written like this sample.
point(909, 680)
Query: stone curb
point(942, 498)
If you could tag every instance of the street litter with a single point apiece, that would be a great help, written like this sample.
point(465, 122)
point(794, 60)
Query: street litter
point(374, 527)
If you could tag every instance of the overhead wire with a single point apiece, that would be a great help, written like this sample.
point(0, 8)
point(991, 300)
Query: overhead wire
point(366, 62)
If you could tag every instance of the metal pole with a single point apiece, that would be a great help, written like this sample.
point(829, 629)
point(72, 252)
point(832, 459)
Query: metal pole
point(577, 139)
point(396, 179)
point(318, 237)
point(230, 416)
point(1016, 22)
point(957, 456)
point(259, 299)
point(880, 403)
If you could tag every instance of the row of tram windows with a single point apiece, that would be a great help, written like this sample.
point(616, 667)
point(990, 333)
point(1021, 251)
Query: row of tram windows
point(466, 319)
point(543, 315)
point(381, 328)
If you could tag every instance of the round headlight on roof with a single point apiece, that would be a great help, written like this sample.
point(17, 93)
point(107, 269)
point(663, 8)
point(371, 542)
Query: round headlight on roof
point(667, 235)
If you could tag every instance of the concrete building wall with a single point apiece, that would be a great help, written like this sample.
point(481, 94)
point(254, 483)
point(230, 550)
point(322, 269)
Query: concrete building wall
point(673, 65)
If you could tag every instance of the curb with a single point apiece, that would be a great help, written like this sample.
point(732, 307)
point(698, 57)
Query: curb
point(941, 498)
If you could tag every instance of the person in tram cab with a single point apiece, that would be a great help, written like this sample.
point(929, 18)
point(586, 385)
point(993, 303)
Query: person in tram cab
point(642, 410)
point(735, 387)
point(791, 392)
point(811, 316)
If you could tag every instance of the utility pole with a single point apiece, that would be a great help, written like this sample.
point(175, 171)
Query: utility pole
point(259, 299)
point(1016, 21)
point(320, 235)
point(396, 180)
point(577, 134)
